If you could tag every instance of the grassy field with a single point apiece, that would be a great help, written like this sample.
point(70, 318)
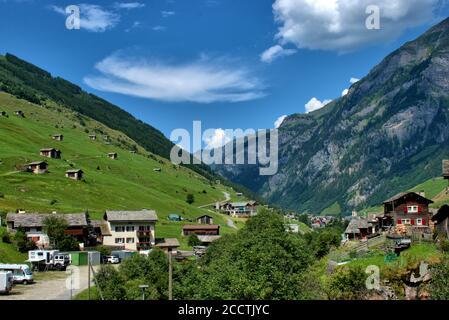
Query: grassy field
point(128, 183)
point(9, 253)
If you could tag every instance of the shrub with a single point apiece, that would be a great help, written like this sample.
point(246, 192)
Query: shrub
point(190, 198)
point(193, 240)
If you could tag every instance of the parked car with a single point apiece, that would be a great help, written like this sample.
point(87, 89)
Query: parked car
point(112, 259)
point(21, 273)
point(6, 282)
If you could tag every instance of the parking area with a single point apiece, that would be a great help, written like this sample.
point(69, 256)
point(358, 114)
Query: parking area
point(52, 285)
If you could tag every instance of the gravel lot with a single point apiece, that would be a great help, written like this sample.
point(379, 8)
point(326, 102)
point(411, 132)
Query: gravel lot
point(52, 285)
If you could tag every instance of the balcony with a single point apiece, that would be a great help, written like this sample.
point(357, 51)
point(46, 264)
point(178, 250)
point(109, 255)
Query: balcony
point(144, 233)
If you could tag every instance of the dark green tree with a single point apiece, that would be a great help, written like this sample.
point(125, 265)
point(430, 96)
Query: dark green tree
point(190, 198)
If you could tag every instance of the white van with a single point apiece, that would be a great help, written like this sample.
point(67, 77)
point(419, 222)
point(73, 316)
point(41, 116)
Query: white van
point(21, 272)
point(6, 282)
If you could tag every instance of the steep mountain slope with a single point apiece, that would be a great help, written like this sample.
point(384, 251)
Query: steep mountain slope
point(126, 183)
point(388, 134)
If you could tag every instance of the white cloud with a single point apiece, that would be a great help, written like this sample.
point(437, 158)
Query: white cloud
point(167, 14)
point(354, 80)
point(315, 104)
point(345, 92)
point(204, 81)
point(217, 140)
point(159, 28)
point(340, 24)
point(93, 18)
point(129, 5)
point(275, 52)
point(279, 121)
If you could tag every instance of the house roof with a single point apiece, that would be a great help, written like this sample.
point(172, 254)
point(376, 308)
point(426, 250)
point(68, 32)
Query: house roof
point(37, 219)
point(36, 163)
point(204, 216)
point(143, 215)
point(167, 243)
point(406, 194)
point(49, 149)
point(201, 227)
point(103, 225)
point(356, 224)
point(208, 239)
point(57, 135)
point(446, 168)
point(441, 215)
point(74, 171)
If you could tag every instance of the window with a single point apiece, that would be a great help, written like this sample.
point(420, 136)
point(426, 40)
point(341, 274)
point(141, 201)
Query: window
point(412, 209)
point(145, 228)
point(129, 240)
point(406, 221)
point(119, 240)
point(130, 228)
point(419, 222)
point(119, 229)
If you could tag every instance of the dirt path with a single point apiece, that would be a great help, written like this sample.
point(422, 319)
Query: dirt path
point(52, 286)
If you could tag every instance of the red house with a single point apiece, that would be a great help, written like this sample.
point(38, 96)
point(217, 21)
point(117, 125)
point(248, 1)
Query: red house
point(409, 209)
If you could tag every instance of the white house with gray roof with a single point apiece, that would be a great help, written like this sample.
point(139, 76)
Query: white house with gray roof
point(130, 230)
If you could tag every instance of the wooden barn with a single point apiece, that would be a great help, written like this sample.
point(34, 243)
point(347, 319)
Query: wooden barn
point(19, 113)
point(201, 230)
point(205, 220)
point(113, 155)
point(441, 220)
point(51, 153)
point(74, 174)
point(93, 137)
point(38, 167)
point(58, 137)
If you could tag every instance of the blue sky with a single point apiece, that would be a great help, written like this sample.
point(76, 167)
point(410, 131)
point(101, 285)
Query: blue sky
point(170, 62)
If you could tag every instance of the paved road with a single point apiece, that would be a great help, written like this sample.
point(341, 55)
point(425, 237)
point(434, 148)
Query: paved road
point(227, 198)
point(52, 286)
point(231, 223)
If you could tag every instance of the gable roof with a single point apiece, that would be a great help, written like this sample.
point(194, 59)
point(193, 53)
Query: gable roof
point(201, 227)
point(74, 171)
point(36, 163)
point(143, 215)
point(441, 215)
point(204, 216)
point(407, 194)
point(356, 224)
point(167, 243)
point(37, 219)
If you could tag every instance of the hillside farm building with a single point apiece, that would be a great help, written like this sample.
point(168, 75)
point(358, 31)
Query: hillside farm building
point(201, 230)
point(34, 222)
point(58, 137)
point(168, 244)
point(441, 220)
point(130, 230)
point(51, 153)
point(408, 209)
point(38, 167)
point(113, 155)
point(19, 113)
point(93, 137)
point(3, 113)
point(205, 220)
point(74, 174)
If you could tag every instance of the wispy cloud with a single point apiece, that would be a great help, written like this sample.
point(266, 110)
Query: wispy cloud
point(166, 14)
point(93, 18)
point(275, 52)
point(203, 81)
point(159, 28)
point(128, 5)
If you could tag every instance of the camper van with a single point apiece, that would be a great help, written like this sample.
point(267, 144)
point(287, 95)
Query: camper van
point(43, 260)
point(6, 282)
point(21, 273)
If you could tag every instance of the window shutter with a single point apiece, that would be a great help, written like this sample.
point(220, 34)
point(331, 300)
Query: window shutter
point(424, 222)
point(419, 210)
point(399, 221)
point(413, 222)
point(405, 209)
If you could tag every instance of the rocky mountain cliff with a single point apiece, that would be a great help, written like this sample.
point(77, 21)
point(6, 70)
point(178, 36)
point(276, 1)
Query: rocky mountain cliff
point(389, 133)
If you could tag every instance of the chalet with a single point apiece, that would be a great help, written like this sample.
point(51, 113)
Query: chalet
point(113, 155)
point(168, 245)
point(93, 137)
point(38, 167)
point(40, 239)
point(207, 240)
point(441, 220)
point(205, 220)
point(19, 113)
point(409, 209)
point(74, 174)
point(131, 230)
point(358, 229)
point(201, 230)
point(77, 224)
point(105, 137)
point(58, 137)
point(240, 209)
point(51, 153)
point(3, 113)
point(157, 169)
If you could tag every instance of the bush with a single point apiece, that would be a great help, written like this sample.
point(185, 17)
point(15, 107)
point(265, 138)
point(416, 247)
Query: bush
point(439, 286)
point(193, 240)
point(444, 246)
point(190, 198)
point(347, 284)
point(5, 237)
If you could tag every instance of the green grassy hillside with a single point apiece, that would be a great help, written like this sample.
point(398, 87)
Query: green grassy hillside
point(126, 183)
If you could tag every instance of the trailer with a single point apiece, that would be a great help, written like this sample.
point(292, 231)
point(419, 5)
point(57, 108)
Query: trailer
point(44, 260)
point(6, 282)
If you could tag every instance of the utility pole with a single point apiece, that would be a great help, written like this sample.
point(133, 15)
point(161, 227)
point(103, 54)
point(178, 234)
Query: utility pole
point(170, 276)
point(88, 273)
